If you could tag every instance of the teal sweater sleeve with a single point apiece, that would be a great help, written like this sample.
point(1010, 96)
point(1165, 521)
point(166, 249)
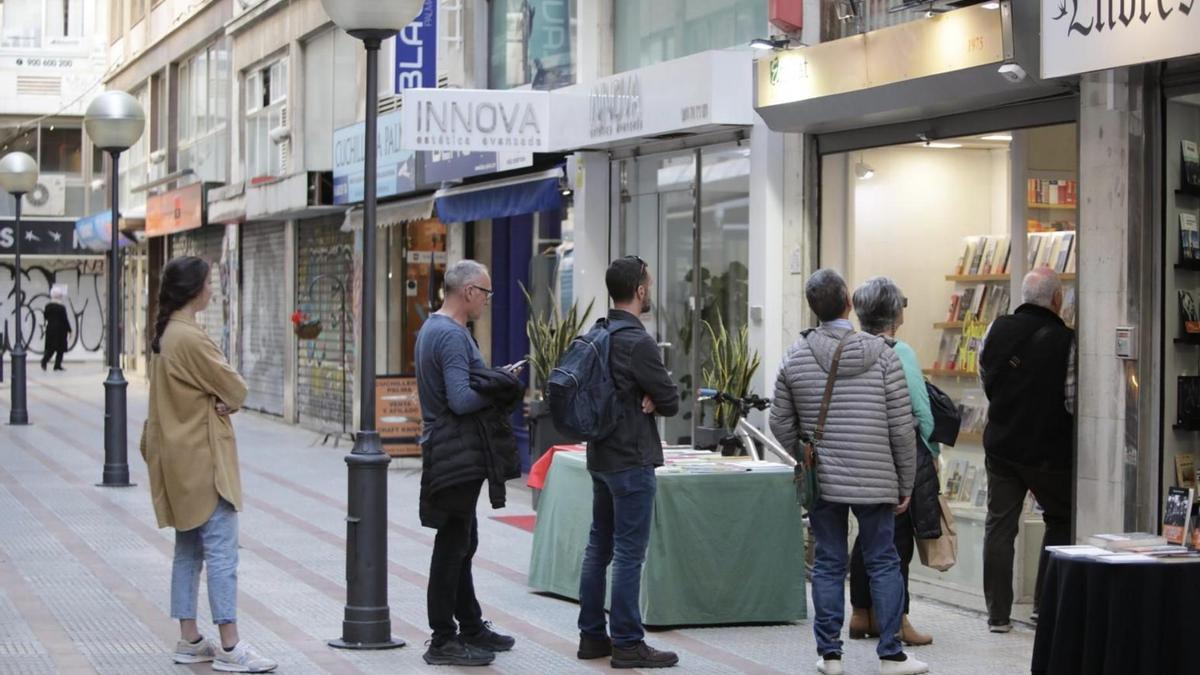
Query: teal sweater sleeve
point(922, 411)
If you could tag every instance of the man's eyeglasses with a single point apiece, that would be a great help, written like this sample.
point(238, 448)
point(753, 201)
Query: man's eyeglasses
point(489, 292)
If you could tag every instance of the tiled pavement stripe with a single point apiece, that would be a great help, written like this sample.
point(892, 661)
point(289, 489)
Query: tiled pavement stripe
point(145, 612)
point(692, 644)
point(51, 636)
point(566, 649)
point(325, 658)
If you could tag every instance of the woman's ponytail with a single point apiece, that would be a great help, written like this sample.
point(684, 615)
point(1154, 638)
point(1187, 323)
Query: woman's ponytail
point(182, 280)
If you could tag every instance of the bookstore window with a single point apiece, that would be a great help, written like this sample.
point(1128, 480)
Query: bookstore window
point(1181, 265)
point(956, 224)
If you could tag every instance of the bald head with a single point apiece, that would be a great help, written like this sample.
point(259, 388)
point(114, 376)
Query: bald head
point(1041, 287)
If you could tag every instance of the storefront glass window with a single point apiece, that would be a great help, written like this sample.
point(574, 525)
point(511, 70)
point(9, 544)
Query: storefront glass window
point(1181, 328)
point(652, 32)
point(416, 267)
point(532, 43)
point(938, 219)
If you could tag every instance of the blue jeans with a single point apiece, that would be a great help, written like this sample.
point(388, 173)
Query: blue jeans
point(215, 543)
point(622, 505)
point(876, 526)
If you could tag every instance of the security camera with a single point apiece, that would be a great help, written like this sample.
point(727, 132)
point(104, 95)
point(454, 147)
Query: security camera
point(1013, 72)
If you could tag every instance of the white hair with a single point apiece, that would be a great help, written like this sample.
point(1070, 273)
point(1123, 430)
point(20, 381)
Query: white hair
point(462, 273)
point(1039, 288)
point(58, 293)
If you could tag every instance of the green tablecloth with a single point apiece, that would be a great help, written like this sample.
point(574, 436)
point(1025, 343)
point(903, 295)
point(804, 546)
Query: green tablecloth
point(724, 548)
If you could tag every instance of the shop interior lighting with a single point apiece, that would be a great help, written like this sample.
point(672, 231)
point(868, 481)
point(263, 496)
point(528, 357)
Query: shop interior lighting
point(942, 145)
point(863, 170)
point(1003, 138)
point(991, 5)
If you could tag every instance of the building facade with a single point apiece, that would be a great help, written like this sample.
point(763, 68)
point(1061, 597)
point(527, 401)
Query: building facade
point(51, 63)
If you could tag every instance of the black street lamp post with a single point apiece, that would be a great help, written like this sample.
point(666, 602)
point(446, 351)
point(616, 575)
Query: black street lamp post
point(18, 176)
point(367, 623)
point(115, 121)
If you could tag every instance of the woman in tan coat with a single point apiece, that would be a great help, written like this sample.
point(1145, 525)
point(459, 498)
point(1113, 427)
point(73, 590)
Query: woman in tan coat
point(190, 450)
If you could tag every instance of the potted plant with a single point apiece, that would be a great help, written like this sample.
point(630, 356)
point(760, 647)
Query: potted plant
point(550, 334)
point(730, 369)
point(305, 327)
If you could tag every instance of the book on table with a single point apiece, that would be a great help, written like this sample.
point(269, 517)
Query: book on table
point(1177, 515)
point(1185, 470)
point(1126, 540)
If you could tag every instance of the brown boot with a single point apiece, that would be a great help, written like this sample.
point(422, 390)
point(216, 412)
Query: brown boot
point(910, 636)
point(862, 624)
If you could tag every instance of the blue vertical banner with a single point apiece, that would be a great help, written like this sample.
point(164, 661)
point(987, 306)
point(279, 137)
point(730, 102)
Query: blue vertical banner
point(416, 51)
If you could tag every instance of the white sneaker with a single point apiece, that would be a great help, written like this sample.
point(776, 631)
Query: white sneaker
point(830, 667)
point(1000, 627)
point(910, 666)
point(201, 652)
point(243, 659)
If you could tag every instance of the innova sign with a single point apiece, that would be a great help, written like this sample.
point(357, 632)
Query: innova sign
point(1080, 36)
point(479, 120)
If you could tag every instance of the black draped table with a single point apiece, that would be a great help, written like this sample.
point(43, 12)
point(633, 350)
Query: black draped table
point(1100, 618)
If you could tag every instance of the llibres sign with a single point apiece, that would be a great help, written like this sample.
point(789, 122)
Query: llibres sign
point(1080, 36)
point(476, 120)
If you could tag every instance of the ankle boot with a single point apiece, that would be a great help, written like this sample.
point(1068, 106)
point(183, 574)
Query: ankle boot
point(910, 636)
point(862, 624)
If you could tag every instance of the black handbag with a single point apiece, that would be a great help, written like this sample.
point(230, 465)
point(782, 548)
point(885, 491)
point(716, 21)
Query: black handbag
point(947, 419)
point(925, 510)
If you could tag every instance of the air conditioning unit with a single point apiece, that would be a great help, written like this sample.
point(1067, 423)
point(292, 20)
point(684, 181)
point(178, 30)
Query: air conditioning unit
point(48, 198)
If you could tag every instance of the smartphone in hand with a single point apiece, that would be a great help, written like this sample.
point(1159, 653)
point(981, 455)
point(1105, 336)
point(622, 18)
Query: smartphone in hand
point(516, 368)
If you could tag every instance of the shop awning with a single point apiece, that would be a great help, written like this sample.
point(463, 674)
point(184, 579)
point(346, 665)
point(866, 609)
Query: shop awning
point(95, 232)
point(531, 193)
point(394, 213)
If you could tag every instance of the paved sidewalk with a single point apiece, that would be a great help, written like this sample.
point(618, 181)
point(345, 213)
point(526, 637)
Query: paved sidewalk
point(85, 574)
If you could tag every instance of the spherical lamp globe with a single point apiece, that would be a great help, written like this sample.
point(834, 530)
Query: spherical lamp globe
point(18, 173)
point(114, 121)
point(381, 15)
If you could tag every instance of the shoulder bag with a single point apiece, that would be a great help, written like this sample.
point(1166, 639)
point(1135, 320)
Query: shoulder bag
point(807, 487)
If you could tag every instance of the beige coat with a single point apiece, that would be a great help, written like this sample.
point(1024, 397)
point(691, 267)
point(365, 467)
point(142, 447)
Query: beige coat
point(190, 450)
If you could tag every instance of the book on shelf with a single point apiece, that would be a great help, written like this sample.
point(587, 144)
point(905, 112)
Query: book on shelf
point(977, 299)
point(967, 490)
point(1003, 251)
point(964, 307)
point(1070, 269)
point(1185, 470)
point(1126, 540)
point(1188, 390)
point(1032, 249)
point(977, 256)
point(1188, 316)
point(1068, 241)
point(989, 254)
point(964, 259)
point(952, 313)
point(1068, 308)
point(1046, 250)
point(1190, 176)
point(1189, 237)
point(1177, 514)
point(1041, 192)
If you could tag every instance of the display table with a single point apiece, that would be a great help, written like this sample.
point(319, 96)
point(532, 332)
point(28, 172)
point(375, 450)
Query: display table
point(725, 547)
point(1102, 618)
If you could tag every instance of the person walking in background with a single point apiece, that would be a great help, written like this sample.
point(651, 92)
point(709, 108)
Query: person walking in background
point(866, 460)
point(191, 453)
point(880, 306)
point(1027, 366)
point(58, 327)
point(623, 483)
point(455, 463)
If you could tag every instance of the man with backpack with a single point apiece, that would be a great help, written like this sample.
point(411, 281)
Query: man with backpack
point(622, 463)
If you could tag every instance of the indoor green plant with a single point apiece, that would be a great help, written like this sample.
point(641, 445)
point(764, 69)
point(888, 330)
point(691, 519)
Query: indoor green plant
point(550, 335)
point(730, 369)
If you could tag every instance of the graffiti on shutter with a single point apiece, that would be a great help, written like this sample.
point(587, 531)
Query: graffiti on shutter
point(325, 368)
point(209, 244)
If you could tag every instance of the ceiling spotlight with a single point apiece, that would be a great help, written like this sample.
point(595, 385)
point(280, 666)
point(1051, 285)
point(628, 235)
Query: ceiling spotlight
point(864, 171)
point(771, 43)
point(942, 145)
point(1003, 138)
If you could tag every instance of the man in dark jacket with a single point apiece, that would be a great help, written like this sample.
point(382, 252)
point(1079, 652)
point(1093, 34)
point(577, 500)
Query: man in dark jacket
point(57, 329)
point(454, 468)
point(622, 467)
point(1028, 371)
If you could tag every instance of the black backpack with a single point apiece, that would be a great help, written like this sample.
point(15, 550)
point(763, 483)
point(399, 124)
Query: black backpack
point(582, 396)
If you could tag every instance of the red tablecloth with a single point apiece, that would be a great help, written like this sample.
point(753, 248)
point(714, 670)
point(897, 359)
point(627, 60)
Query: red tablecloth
point(537, 473)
